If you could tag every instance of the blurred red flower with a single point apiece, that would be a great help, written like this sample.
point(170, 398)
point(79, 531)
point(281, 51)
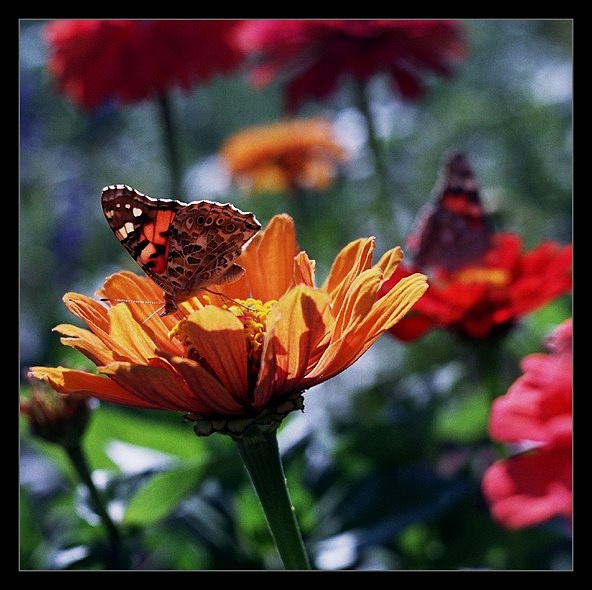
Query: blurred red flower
point(314, 55)
point(486, 297)
point(130, 60)
point(533, 486)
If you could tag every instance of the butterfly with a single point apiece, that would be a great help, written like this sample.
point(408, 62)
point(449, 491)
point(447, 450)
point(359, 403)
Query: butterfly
point(182, 247)
point(454, 229)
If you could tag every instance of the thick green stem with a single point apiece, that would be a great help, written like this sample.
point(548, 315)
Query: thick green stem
point(260, 454)
point(78, 459)
point(170, 144)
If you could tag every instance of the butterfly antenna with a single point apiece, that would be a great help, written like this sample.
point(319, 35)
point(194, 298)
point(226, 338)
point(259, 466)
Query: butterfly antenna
point(137, 301)
point(132, 301)
point(153, 314)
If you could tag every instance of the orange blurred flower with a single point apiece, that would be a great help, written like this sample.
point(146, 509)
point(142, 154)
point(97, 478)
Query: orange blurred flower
point(283, 156)
point(230, 366)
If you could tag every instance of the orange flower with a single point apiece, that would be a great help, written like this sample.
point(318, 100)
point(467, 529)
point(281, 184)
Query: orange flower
point(286, 155)
point(229, 364)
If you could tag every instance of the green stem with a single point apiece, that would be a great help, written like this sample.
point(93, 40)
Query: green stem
point(489, 367)
point(169, 139)
point(260, 454)
point(78, 459)
point(383, 203)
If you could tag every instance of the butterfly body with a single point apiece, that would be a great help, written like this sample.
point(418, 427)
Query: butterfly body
point(454, 229)
point(182, 247)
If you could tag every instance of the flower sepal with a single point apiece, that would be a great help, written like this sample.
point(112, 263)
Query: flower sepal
point(267, 420)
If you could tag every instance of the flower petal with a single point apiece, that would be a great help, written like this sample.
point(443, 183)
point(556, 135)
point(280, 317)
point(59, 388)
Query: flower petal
point(86, 342)
point(355, 258)
point(90, 311)
point(389, 262)
point(119, 331)
point(218, 336)
point(151, 386)
point(358, 301)
point(128, 338)
point(304, 269)
point(270, 373)
point(66, 380)
point(357, 337)
point(388, 310)
point(210, 397)
point(269, 259)
point(296, 326)
point(144, 300)
point(530, 488)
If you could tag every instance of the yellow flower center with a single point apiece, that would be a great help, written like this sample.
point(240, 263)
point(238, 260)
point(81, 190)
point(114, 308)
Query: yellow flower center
point(253, 315)
point(496, 277)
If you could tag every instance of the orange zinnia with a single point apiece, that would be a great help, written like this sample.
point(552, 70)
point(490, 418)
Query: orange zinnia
point(287, 155)
point(232, 363)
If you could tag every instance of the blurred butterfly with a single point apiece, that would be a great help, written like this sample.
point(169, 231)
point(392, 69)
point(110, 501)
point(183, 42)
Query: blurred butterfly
point(454, 229)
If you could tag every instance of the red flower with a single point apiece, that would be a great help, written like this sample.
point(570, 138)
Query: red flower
point(533, 486)
point(479, 301)
point(130, 60)
point(314, 55)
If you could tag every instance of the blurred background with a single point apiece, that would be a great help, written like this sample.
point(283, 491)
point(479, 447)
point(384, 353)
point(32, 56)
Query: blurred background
point(384, 464)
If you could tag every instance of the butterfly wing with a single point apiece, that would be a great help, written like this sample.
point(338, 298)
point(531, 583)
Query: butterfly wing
point(142, 226)
point(454, 230)
point(204, 241)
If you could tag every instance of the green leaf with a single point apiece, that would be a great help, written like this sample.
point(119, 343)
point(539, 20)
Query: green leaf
point(464, 419)
point(147, 429)
point(161, 495)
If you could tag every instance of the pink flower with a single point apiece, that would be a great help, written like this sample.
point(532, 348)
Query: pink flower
point(535, 485)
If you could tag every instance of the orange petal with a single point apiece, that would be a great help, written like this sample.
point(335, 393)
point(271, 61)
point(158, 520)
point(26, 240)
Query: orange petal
point(296, 326)
point(90, 311)
point(211, 397)
point(96, 317)
point(355, 258)
point(269, 259)
point(270, 373)
point(358, 301)
point(390, 261)
point(391, 308)
point(118, 330)
point(86, 342)
point(126, 285)
point(304, 270)
point(151, 386)
point(128, 338)
point(143, 297)
point(356, 338)
point(219, 337)
point(66, 380)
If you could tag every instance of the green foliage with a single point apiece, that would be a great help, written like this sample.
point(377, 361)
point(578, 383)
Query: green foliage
point(161, 495)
